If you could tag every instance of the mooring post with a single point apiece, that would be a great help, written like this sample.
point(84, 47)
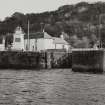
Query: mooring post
point(49, 65)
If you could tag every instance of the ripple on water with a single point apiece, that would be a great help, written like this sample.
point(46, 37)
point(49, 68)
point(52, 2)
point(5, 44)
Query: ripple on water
point(51, 87)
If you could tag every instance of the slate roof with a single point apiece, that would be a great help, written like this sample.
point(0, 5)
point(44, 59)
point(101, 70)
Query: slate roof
point(38, 35)
point(45, 35)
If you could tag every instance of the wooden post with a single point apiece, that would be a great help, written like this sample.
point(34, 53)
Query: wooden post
point(49, 60)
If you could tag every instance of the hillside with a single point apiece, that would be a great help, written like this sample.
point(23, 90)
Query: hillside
point(80, 22)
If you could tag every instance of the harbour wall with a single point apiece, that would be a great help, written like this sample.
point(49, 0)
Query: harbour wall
point(88, 60)
point(34, 60)
point(78, 60)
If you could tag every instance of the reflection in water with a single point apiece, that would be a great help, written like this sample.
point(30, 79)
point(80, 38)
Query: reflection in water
point(51, 87)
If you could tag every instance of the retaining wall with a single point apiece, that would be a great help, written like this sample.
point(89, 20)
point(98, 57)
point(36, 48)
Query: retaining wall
point(88, 60)
point(30, 60)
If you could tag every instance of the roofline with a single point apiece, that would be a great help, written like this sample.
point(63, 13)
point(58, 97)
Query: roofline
point(38, 38)
point(62, 43)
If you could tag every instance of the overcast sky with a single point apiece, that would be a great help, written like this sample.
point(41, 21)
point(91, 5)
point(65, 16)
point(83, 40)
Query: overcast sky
point(8, 7)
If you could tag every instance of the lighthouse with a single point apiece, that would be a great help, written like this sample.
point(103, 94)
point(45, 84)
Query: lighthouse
point(18, 39)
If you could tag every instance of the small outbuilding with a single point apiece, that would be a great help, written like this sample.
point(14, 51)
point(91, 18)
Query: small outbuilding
point(2, 43)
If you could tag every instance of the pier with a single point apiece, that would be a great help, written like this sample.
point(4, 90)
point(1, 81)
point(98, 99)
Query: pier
point(34, 60)
point(88, 60)
point(80, 60)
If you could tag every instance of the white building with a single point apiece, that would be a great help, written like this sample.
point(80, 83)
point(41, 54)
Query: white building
point(2, 43)
point(39, 41)
point(60, 43)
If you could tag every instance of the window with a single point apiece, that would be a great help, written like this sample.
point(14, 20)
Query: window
point(17, 40)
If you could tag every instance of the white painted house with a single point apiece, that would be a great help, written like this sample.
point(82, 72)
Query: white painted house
point(43, 41)
point(39, 41)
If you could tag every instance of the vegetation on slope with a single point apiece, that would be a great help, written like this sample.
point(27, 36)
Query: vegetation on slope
point(79, 22)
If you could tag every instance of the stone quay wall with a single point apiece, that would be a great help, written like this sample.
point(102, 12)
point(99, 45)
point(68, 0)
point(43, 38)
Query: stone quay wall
point(34, 60)
point(78, 60)
point(88, 60)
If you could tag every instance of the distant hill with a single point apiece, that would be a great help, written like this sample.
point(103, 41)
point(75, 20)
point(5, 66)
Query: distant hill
point(80, 22)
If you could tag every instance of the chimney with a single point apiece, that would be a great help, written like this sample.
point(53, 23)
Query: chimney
point(42, 27)
point(62, 35)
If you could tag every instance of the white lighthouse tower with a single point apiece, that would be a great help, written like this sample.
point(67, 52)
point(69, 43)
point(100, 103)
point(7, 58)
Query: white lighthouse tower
point(18, 39)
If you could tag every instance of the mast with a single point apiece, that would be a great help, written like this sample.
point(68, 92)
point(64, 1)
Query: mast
point(99, 31)
point(28, 40)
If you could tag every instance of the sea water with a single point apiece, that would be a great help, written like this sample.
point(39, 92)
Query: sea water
point(51, 87)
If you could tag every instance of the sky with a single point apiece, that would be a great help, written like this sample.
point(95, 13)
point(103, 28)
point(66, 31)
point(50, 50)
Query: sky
point(8, 7)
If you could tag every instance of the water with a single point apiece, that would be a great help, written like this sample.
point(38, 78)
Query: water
point(51, 87)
